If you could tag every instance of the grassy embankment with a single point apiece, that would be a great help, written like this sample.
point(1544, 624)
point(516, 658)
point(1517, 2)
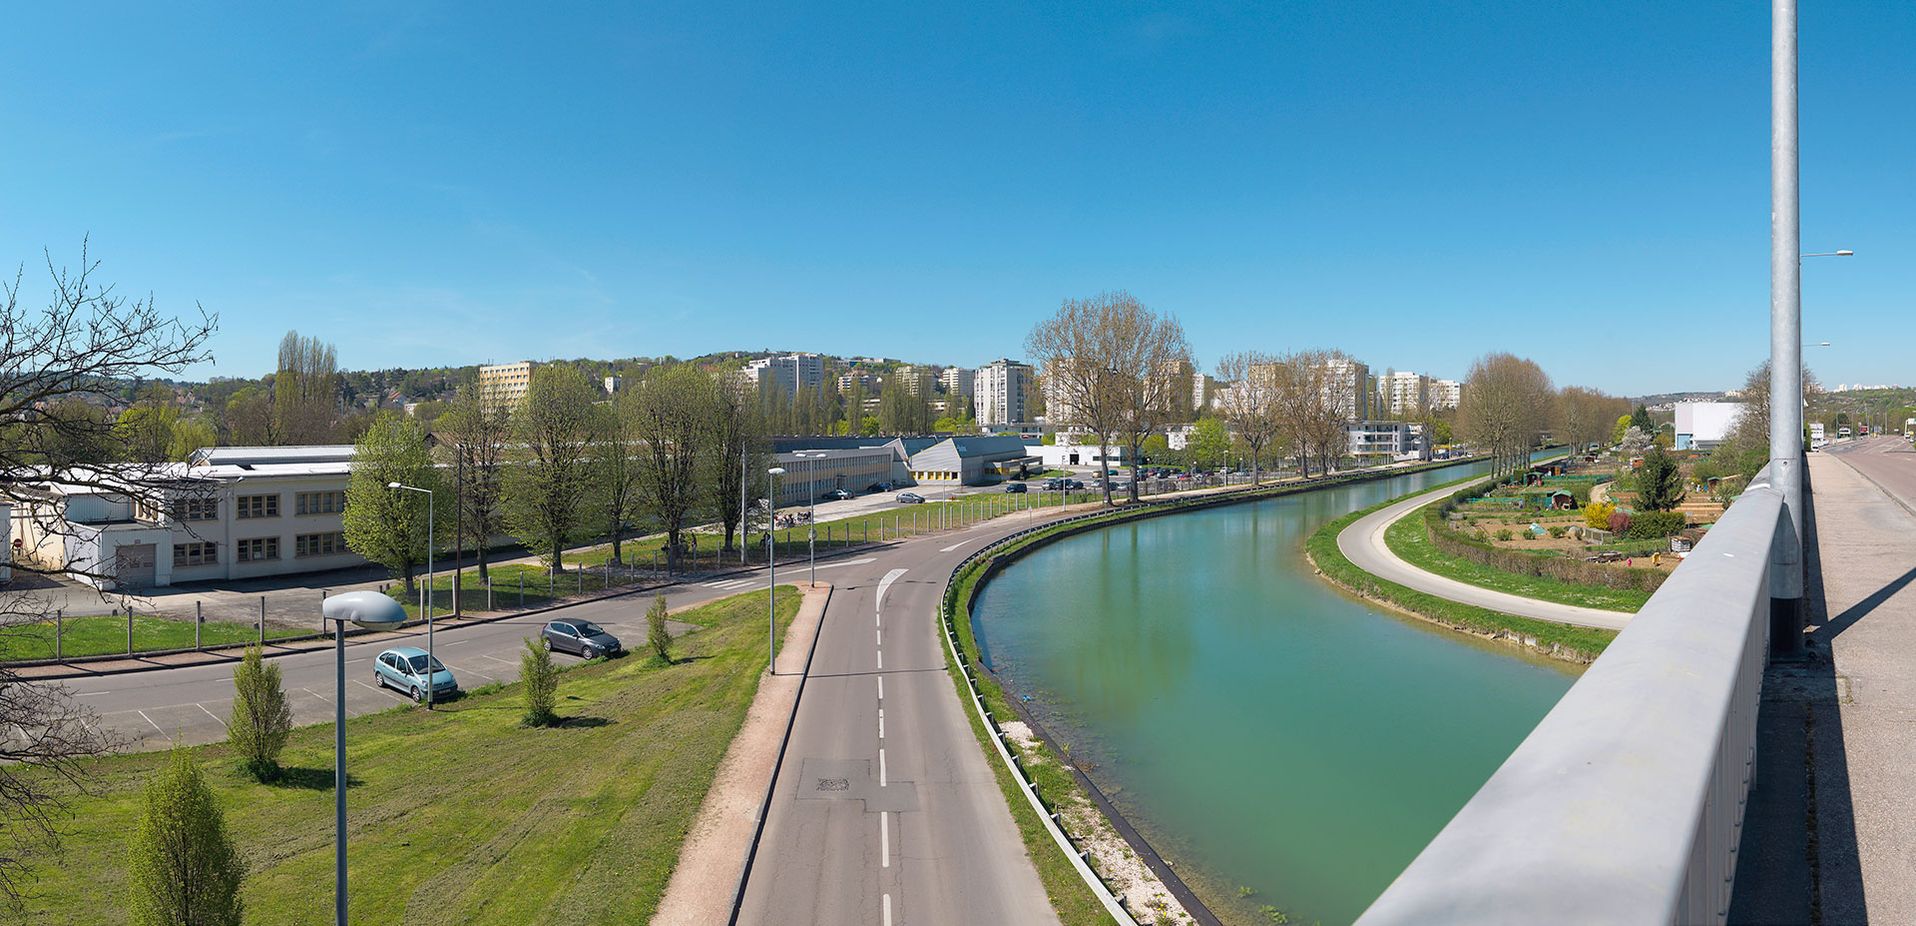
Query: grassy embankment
point(1580, 644)
point(462, 815)
point(104, 635)
point(1409, 538)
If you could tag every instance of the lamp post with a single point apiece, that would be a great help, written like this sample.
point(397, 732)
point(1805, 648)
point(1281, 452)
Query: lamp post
point(425, 595)
point(372, 611)
point(771, 570)
point(811, 512)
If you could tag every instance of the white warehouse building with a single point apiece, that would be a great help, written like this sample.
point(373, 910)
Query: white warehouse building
point(239, 512)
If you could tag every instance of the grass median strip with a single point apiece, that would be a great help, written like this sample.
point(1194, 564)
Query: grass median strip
point(1409, 538)
point(1578, 643)
point(462, 815)
point(105, 635)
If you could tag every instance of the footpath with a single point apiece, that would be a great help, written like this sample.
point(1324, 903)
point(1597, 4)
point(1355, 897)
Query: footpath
point(1830, 831)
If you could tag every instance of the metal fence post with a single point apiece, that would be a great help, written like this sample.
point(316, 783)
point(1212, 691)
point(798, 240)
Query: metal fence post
point(488, 591)
point(262, 621)
point(129, 631)
point(59, 633)
point(522, 591)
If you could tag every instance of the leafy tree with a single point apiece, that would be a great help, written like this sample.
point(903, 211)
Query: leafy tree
point(1621, 428)
point(305, 390)
point(181, 867)
point(1659, 483)
point(541, 679)
point(190, 434)
point(736, 429)
point(262, 717)
point(657, 636)
point(1209, 442)
point(615, 460)
point(475, 433)
point(385, 525)
point(248, 418)
point(147, 427)
point(672, 419)
point(550, 474)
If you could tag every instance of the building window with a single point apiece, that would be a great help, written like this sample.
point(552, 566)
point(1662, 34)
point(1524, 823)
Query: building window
point(259, 550)
point(196, 509)
point(319, 544)
point(319, 502)
point(257, 506)
point(195, 554)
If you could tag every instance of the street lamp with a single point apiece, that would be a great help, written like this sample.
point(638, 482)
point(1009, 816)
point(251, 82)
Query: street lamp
point(771, 570)
point(811, 510)
point(1845, 252)
point(372, 611)
point(425, 594)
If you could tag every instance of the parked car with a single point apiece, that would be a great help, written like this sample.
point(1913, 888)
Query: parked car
point(583, 638)
point(404, 668)
point(1014, 488)
point(1054, 484)
point(877, 487)
point(836, 495)
point(910, 498)
point(1075, 485)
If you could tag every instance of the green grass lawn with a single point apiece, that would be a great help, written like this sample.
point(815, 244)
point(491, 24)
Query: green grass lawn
point(104, 635)
point(461, 815)
point(514, 585)
point(1409, 538)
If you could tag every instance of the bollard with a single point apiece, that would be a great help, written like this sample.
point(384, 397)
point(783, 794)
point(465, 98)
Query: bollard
point(582, 569)
point(322, 610)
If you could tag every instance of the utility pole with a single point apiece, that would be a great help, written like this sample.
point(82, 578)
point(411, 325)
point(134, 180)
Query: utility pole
point(1786, 332)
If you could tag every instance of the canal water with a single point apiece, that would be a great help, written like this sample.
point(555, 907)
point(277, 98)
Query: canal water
point(1263, 730)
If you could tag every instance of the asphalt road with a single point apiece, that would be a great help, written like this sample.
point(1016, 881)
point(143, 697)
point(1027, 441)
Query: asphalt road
point(190, 704)
point(1363, 544)
point(886, 810)
point(1888, 461)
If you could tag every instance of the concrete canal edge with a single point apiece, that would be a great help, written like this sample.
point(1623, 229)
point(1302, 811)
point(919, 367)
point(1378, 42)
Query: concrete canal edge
point(1565, 642)
point(977, 683)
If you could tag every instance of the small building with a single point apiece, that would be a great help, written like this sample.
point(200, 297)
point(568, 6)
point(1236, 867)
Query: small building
point(1563, 500)
point(1703, 425)
point(972, 461)
point(812, 472)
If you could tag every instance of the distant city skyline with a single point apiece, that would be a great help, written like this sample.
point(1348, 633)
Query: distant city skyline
point(1415, 185)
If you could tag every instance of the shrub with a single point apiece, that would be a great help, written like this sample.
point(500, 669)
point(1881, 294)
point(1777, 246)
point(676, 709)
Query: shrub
point(1557, 531)
point(659, 638)
point(1597, 515)
point(541, 679)
point(262, 717)
point(1653, 525)
point(181, 867)
point(1619, 522)
point(1505, 534)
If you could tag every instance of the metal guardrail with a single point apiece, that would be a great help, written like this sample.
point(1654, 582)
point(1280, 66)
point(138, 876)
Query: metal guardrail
point(1625, 805)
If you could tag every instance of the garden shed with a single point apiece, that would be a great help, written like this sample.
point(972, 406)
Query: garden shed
point(1563, 500)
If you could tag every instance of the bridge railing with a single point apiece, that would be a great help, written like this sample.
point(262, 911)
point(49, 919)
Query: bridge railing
point(1625, 805)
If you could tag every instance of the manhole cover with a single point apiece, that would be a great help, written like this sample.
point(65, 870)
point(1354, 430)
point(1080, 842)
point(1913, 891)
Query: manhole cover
point(834, 784)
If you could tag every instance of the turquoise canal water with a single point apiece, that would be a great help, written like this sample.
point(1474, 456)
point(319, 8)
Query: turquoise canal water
point(1260, 728)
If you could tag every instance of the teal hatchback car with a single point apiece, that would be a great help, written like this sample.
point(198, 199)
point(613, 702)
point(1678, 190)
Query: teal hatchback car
point(404, 668)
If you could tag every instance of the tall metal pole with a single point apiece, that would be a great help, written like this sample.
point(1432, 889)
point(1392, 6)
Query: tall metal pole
point(1786, 328)
point(771, 574)
point(430, 543)
point(744, 526)
point(339, 773)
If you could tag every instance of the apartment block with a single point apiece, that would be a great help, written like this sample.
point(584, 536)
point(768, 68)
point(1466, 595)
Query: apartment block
point(504, 384)
point(1000, 390)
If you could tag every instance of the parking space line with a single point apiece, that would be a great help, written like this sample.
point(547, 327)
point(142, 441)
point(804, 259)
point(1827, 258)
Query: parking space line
point(208, 713)
point(149, 722)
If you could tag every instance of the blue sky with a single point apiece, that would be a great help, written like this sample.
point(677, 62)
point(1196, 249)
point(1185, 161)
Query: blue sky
point(1582, 183)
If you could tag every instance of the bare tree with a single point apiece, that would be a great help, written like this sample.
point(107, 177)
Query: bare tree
point(672, 422)
point(1153, 360)
point(1249, 404)
point(57, 365)
point(1506, 408)
point(1586, 416)
point(1077, 354)
point(616, 456)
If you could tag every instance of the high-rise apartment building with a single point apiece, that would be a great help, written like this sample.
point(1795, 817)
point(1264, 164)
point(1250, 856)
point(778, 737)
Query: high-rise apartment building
point(999, 391)
point(1347, 384)
point(1403, 393)
point(788, 373)
point(504, 384)
point(956, 380)
point(1446, 393)
point(917, 380)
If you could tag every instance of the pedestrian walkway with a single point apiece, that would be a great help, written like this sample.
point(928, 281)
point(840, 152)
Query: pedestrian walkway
point(1831, 827)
